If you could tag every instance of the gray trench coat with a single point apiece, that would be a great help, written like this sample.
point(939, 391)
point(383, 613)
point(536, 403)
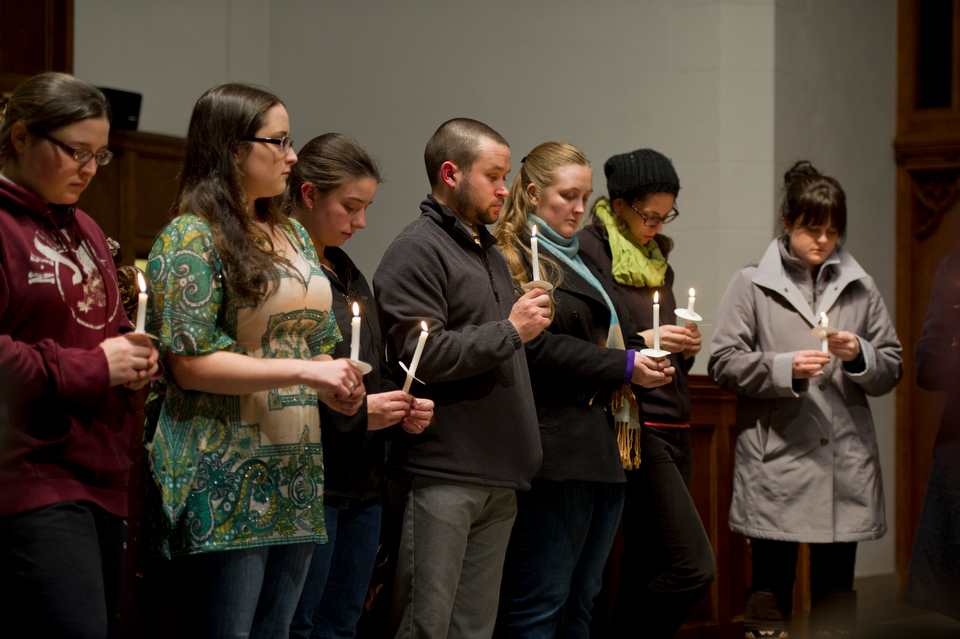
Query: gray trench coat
point(806, 465)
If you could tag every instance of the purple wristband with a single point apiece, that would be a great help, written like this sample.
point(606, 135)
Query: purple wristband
point(631, 355)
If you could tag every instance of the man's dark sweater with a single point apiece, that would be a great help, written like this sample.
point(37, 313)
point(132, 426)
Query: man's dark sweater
point(473, 364)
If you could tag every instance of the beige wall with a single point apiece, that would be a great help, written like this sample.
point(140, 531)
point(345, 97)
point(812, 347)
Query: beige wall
point(731, 91)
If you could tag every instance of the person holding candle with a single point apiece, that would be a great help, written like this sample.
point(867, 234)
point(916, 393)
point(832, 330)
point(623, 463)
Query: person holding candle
point(667, 563)
point(243, 313)
point(583, 369)
point(444, 269)
point(807, 467)
point(67, 359)
point(329, 191)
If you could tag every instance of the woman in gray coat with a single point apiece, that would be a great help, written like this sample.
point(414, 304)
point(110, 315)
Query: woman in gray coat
point(806, 467)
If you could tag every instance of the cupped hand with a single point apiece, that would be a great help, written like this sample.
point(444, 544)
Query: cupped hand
point(131, 359)
point(807, 364)
point(530, 314)
point(386, 409)
point(421, 416)
point(694, 340)
point(651, 372)
point(844, 345)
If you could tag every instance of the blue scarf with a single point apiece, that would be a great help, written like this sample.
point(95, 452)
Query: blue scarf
point(567, 250)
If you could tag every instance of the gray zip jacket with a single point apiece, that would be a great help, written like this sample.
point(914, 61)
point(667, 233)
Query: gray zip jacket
point(806, 465)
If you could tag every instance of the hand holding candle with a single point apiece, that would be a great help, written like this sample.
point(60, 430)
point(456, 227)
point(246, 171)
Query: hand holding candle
point(412, 371)
point(141, 305)
point(355, 333)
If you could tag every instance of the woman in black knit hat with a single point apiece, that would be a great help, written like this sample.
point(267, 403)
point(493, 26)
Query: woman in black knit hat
point(667, 562)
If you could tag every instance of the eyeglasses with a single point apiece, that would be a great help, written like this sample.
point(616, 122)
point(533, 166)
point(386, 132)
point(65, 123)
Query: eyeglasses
point(285, 143)
point(80, 155)
point(654, 220)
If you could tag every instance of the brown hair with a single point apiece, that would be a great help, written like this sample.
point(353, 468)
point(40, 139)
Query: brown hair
point(456, 141)
point(48, 101)
point(328, 162)
point(539, 168)
point(812, 199)
point(211, 186)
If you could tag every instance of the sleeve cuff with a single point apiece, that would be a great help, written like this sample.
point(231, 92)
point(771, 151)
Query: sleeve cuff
point(631, 357)
point(783, 381)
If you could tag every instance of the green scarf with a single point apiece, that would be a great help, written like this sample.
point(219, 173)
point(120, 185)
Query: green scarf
point(634, 264)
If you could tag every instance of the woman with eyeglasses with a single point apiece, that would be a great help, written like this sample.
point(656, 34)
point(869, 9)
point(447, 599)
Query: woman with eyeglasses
point(807, 468)
point(243, 313)
point(68, 358)
point(667, 562)
point(333, 182)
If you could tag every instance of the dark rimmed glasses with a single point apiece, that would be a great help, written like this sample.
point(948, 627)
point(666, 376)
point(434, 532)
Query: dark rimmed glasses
point(285, 143)
point(654, 220)
point(80, 155)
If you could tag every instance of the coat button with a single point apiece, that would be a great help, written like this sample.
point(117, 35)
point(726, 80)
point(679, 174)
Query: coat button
point(824, 441)
point(581, 397)
point(575, 315)
point(823, 387)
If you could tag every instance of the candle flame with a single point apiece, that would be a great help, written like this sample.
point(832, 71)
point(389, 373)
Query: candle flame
point(656, 297)
point(141, 282)
point(356, 310)
point(693, 293)
point(423, 325)
point(823, 320)
point(534, 230)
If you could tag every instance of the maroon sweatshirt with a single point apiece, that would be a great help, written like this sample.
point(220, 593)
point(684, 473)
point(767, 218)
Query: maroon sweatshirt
point(64, 432)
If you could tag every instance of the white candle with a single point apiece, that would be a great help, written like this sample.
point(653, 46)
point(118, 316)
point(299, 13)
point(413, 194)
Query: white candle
point(141, 304)
point(355, 333)
point(412, 371)
point(824, 323)
point(656, 321)
point(691, 300)
point(536, 258)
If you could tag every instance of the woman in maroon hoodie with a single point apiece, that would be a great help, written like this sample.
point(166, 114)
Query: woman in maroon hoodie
point(64, 366)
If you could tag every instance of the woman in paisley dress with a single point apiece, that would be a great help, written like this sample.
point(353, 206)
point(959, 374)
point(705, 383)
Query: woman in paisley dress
point(242, 311)
point(67, 352)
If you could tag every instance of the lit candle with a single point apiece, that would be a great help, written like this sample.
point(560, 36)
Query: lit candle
point(355, 333)
point(536, 258)
point(141, 304)
point(691, 300)
point(656, 321)
point(412, 371)
point(824, 323)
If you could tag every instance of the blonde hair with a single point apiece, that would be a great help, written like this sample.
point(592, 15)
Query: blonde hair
point(539, 168)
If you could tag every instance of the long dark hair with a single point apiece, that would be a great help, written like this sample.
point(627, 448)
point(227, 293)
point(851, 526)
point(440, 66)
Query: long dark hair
point(328, 162)
point(211, 186)
point(812, 199)
point(48, 101)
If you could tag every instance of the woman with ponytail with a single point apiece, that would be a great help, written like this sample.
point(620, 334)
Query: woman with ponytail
point(584, 369)
point(807, 468)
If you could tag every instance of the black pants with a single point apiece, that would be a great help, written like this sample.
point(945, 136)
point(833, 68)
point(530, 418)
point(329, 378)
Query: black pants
point(775, 567)
point(62, 567)
point(667, 562)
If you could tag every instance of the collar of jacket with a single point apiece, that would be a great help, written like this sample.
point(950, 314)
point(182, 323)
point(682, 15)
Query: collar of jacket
point(23, 201)
point(449, 222)
point(572, 281)
point(341, 263)
point(772, 276)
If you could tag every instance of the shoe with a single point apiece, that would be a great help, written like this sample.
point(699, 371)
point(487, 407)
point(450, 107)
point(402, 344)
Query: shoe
point(766, 634)
point(762, 618)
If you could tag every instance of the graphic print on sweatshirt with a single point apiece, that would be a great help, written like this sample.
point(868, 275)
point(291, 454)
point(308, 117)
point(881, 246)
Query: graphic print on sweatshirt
point(74, 274)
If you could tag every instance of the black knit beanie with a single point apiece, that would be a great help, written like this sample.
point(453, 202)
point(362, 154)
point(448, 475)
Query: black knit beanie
point(632, 175)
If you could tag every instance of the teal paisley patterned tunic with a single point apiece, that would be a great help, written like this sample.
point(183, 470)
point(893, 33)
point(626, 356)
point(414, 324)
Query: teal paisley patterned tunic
point(235, 471)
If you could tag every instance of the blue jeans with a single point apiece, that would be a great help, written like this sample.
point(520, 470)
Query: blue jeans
point(554, 565)
point(339, 576)
point(236, 594)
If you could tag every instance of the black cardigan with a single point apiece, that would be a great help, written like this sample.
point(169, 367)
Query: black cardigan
point(573, 378)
